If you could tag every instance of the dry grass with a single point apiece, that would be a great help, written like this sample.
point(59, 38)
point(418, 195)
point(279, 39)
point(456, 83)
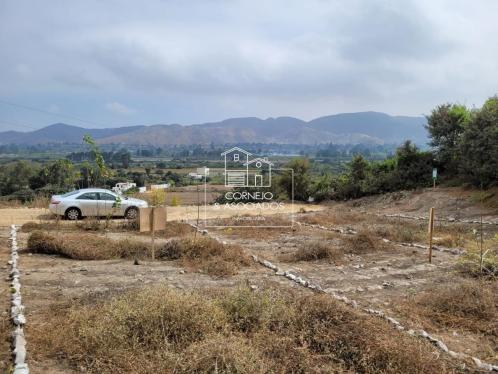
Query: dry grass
point(332, 218)
point(470, 305)
point(161, 330)
point(315, 250)
point(365, 241)
point(175, 229)
point(207, 255)
point(85, 246)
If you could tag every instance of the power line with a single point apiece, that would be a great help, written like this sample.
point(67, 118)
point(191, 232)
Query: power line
point(50, 113)
point(31, 127)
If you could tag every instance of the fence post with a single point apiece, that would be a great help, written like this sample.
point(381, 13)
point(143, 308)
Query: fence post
point(431, 230)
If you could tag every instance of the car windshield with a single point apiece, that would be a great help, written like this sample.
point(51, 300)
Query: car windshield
point(70, 193)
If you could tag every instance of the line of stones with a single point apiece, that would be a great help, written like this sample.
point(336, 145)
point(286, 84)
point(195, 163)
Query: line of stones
point(17, 310)
point(422, 333)
point(442, 219)
point(317, 288)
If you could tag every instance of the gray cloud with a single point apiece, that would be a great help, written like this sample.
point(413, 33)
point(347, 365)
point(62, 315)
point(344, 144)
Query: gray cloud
point(229, 58)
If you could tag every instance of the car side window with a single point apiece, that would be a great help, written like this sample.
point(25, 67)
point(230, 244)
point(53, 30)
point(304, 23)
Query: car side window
point(107, 196)
point(88, 196)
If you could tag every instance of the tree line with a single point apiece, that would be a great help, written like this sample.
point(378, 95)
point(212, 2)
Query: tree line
point(464, 149)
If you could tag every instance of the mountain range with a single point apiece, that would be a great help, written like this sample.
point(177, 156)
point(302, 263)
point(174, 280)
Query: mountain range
point(345, 128)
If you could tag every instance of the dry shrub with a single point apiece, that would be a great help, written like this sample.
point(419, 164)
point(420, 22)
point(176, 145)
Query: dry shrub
point(176, 229)
point(249, 312)
point(472, 305)
point(363, 344)
point(364, 242)
point(206, 254)
point(162, 330)
point(313, 251)
point(85, 247)
point(138, 332)
point(221, 354)
point(90, 224)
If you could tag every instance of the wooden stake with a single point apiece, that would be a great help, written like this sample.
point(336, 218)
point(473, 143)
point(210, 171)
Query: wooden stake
point(153, 234)
point(431, 230)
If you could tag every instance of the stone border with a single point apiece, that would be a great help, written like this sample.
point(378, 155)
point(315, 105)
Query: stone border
point(421, 218)
point(17, 310)
point(353, 303)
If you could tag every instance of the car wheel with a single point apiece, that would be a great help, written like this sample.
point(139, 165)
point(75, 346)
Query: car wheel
point(73, 214)
point(131, 213)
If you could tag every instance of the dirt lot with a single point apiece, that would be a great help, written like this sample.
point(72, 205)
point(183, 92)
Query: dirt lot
point(19, 216)
point(377, 274)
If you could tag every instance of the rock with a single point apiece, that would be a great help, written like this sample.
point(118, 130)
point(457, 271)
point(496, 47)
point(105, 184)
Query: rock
point(442, 346)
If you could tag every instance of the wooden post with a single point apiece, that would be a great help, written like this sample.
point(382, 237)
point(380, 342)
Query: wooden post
point(153, 234)
point(431, 230)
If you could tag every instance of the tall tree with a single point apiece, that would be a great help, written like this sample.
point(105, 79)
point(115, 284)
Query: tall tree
point(479, 146)
point(302, 179)
point(446, 125)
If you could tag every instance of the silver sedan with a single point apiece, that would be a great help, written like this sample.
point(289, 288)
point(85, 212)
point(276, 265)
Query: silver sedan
point(95, 202)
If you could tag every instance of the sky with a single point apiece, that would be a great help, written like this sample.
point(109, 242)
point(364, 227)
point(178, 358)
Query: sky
point(119, 63)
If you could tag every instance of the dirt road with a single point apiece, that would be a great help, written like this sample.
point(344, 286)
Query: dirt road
point(20, 216)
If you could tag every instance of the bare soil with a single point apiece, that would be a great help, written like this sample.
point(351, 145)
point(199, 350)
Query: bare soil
point(386, 278)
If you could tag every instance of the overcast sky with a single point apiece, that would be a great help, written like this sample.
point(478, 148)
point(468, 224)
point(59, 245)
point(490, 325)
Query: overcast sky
point(97, 64)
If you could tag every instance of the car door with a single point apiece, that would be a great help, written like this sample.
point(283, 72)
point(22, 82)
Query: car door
point(89, 204)
point(108, 202)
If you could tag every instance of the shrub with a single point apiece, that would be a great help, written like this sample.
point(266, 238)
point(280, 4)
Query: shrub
point(315, 250)
point(222, 354)
point(472, 304)
point(206, 254)
point(85, 247)
point(364, 242)
point(159, 329)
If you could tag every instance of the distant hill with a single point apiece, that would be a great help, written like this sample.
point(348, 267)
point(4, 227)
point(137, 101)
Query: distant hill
point(346, 128)
point(60, 133)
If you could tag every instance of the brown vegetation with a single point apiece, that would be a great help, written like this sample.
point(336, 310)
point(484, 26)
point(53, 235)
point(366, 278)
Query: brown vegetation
point(161, 330)
point(85, 246)
point(331, 218)
point(207, 255)
point(315, 250)
point(365, 241)
point(471, 305)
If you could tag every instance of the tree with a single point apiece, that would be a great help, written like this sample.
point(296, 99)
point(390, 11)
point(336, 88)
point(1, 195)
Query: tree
point(446, 125)
point(413, 167)
point(479, 146)
point(15, 177)
point(60, 174)
point(103, 171)
point(302, 179)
